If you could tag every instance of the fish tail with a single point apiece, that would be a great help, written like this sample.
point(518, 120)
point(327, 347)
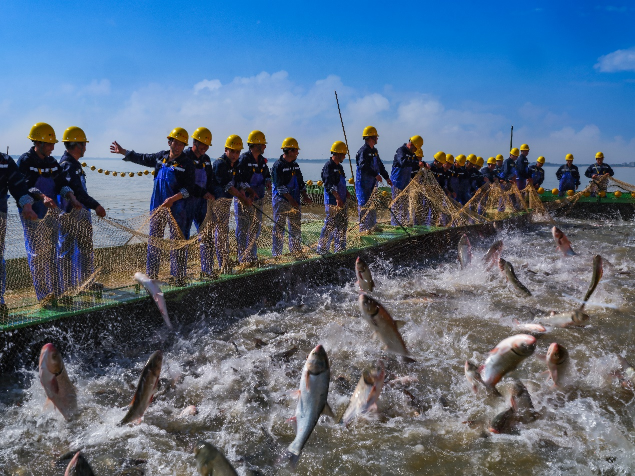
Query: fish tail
point(292, 458)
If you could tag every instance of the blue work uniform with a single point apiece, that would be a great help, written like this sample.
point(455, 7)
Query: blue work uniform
point(255, 175)
point(537, 175)
point(227, 175)
point(477, 180)
point(43, 177)
point(488, 173)
point(170, 178)
point(400, 176)
point(286, 177)
point(76, 230)
point(198, 208)
point(597, 169)
point(336, 221)
point(508, 171)
point(11, 180)
point(568, 178)
point(462, 183)
point(522, 173)
point(498, 169)
point(369, 166)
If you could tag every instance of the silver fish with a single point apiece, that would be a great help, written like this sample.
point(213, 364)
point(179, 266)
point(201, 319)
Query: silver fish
point(79, 466)
point(562, 242)
point(210, 461)
point(56, 383)
point(146, 388)
point(154, 291)
point(366, 393)
point(383, 325)
point(493, 254)
point(557, 362)
point(532, 329)
point(364, 278)
point(507, 268)
point(520, 401)
point(314, 388)
point(504, 422)
point(465, 251)
point(575, 318)
point(505, 357)
point(598, 271)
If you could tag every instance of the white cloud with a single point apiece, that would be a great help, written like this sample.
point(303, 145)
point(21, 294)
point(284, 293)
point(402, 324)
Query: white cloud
point(620, 60)
point(207, 84)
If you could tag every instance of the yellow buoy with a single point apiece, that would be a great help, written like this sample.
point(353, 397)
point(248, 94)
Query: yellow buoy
point(146, 172)
point(114, 174)
point(92, 167)
point(586, 194)
point(540, 191)
point(84, 164)
point(385, 193)
point(602, 194)
point(618, 194)
point(131, 174)
point(153, 172)
point(320, 183)
point(139, 174)
point(309, 183)
point(100, 170)
point(554, 191)
point(570, 192)
point(351, 180)
point(632, 194)
point(107, 172)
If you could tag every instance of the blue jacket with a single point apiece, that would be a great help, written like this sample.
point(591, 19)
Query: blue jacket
point(11, 180)
point(183, 169)
point(282, 173)
point(522, 164)
point(369, 163)
point(596, 169)
point(76, 179)
point(439, 174)
point(537, 175)
point(476, 177)
point(402, 167)
point(332, 174)
point(249, 166)
point(574, 173)
point(226, 175)
point(488, 173)
point(32, 168)
point(205, 163)
point(509, 169)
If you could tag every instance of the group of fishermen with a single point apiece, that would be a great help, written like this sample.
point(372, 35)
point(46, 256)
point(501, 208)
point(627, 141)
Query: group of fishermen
point(60, 254)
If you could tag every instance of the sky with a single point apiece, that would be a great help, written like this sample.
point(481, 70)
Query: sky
point(460, 74)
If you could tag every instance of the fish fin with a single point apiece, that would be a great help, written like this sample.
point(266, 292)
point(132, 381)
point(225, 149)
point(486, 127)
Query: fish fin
point(513, 403)
point(293, 459)
point(400, 323)
point(407, 360)
point(372, 393)
point(54, 385)
point(373, 408)
point(134, 398)
point(295, 393)
point(328, 411)
point(47, 403)
point(294, 423)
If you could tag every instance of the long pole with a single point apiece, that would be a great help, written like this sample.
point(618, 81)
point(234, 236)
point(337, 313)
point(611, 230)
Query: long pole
point(348, 150)
point(511, 139)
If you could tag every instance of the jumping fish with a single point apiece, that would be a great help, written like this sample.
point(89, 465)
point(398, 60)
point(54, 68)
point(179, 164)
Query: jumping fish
point(210, 461)
point(504, 422)
point(505, 357)
point(145, 389)
point(384, 327)
point(529, 328)
point(493, 254)
point(465, 251)
point(314, 388)
point(562, 242)
point(507, 268)
point(56, 383)
point(154, 291)
point(575, 318)
point(79, 466)
point(472, 375)
point(366, 393)
point(557, 361)
point(598, 271)
point(364, 278)
point(520, 401)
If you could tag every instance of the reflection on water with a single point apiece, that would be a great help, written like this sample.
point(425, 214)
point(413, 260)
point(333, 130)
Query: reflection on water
point(430, 423)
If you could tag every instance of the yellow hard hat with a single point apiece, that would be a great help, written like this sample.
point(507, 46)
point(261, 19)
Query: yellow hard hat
point(449, 158)
point(500, 157)
point(290, 143)
point(515, 152)
point(179, 134)
point(339, 147)
point(441, 157)
point(203, 134)
point(472, 159)
point(234, 142)
point(419, 153)
point(524, 147)
point(491, 160)
point(460, 159)
point(42, 132)
point(74, 134)
point(417, 141)
point(540, 160)
point(569, 157)
point(256, 137)
point(599, 155)
point(480, 161)
point(370, 131)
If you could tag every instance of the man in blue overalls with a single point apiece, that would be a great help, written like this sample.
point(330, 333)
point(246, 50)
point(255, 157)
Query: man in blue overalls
point(45, 182)
point(255, 174)
point(599, 172)
point(400, 175)
point(76, 229)
point(197, 207)
point(11, 180)
point(370, 170)
point(537, 173)
point(288, 186)
point(461, 179)
point(522, 164)
point(508, 176)
point(174, 180)
point(568, 176)
point(488, 170)
point(231, 184)
point(335, 196)
point(499, 165)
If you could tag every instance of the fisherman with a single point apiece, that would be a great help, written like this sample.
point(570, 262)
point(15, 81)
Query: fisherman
point(536, 172)
point(568, 176)
point(76, 230)
point(488, 171)
point(405, 159)
point(174, 180)
point(288, 186)
point(438, 170)
point(599, 172)
point(419, 164)
point(522, 164)
point(462, 175)
point(197, 207)
point(499, 165)
point(370, 170)
point(476, 178)
point(448, 169)
point(232, 185)
point(254, 171)
point(335, 197)
point(508, 172)
point(45, 182)
point(11, 180)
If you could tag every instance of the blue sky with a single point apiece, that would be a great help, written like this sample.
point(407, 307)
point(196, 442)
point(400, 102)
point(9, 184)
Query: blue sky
point(457, 73)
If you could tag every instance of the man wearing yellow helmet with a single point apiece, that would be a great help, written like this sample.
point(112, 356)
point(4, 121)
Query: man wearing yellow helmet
point(499, 165)
point(522, 164)
point(508, 172)
point(45, 181)
point(599, 172)
point(174, 180)
point(335, 197)
point(568, 176)
point(254, 171)
point(231, 185)
point(288, 186)
point(402, 165)
point(488, 171)
point(537, 173)
point(370, 170)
